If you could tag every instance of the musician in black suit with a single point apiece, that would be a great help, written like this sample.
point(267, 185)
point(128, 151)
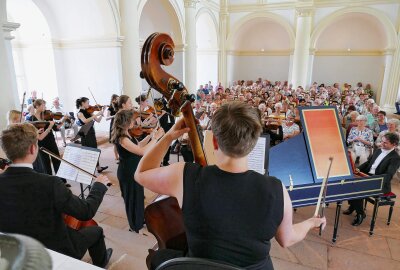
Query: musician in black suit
point(384, 161)
point(33, 204)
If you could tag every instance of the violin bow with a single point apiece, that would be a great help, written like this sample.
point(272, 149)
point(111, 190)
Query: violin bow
point(22, 106)
point(154, 107)
point(97, 104)
point(321, 205)
point(44, 150)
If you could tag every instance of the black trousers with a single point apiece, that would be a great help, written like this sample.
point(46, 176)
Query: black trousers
point(94, 240)
point(166, 157)
point(357, 205)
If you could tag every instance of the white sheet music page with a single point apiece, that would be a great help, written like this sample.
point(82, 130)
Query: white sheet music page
point(84, 158)
point(87, 162)
point(256, 158)
point(71, 154)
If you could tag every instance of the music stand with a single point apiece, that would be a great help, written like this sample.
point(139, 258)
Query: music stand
point(83, 131)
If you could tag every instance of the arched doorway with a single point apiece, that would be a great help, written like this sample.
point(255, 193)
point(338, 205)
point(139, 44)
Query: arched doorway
point(354, 45)
point(207, 48)
point(161, 16)
point(260, 45)
point(32, 50)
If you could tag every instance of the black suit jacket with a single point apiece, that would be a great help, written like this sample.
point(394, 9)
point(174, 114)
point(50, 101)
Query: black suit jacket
point(388, 166)
point(32, 204)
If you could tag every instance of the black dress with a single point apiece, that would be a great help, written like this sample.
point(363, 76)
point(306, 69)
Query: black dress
point(228, 217)
point(112, 113)
point(89, 139)
point(42, 163)
point(132, 192)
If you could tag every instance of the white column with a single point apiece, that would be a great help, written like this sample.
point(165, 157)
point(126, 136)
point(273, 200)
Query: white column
point(310, 66)
point(301, 49)
point(388, 66)
point(391, 91)
point(8, 84)
point(290, 68)
point(223, 30)
point(190, 46)
point(130, 51)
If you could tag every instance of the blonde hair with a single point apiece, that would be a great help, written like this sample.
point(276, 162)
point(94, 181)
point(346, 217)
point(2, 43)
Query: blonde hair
point(13, 117)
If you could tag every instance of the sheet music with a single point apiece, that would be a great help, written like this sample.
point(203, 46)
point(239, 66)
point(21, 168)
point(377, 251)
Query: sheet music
point(66, 171)
point(256, 158)
point(88, 163)
point(84, 158)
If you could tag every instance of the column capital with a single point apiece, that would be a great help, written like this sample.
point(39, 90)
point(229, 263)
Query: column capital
point(191, 3)
point(8, 27)
point(305, 12)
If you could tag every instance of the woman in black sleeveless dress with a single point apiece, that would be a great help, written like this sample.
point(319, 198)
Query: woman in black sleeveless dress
point(230, 213)
point(45, 139)
point(111, 111)
point(84, 117)
point(130, 151)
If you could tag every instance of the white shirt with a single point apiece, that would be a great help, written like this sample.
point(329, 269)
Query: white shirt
point(21, 165)
point(378, 160)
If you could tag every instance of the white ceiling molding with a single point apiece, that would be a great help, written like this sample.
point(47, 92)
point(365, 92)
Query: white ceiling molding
point(268, 15)
point(327, 21)
point(109, 42)
point(259, 53)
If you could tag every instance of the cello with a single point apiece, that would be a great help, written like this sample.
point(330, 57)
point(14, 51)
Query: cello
point(164, 217)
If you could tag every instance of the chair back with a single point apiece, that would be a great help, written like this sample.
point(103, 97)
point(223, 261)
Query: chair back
point(185, 263)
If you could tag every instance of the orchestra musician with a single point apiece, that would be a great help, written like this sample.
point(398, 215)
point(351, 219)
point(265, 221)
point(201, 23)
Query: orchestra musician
point(111, 111)
point(33, 204)
point(224, 202)
point(46, 138)
point(130, 151)
point(383, 161)
point(65, 122)
point(14, 117)
point(84, 117)
point(144, 106)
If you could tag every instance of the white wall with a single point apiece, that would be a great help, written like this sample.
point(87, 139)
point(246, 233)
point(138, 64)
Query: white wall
point(80, 68)
point(350, 69)
point(207, 69)
point(273, 68)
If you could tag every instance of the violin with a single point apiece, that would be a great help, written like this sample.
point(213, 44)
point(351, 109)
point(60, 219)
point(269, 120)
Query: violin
point(40, 124)
point(4, 162)
point(48, 115)
point(95, 108)
point(76, 224)
point(164, 218)
point(139, 131)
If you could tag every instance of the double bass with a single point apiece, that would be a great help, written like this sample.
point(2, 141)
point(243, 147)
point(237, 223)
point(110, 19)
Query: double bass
point(164, 217)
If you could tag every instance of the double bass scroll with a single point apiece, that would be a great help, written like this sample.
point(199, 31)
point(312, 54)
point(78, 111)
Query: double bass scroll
point(158, 50)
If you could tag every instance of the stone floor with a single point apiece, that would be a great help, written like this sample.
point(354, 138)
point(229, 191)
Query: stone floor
point(354, 249)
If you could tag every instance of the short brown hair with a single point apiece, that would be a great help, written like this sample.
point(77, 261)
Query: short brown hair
point(16, 140)
point(237, 126)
